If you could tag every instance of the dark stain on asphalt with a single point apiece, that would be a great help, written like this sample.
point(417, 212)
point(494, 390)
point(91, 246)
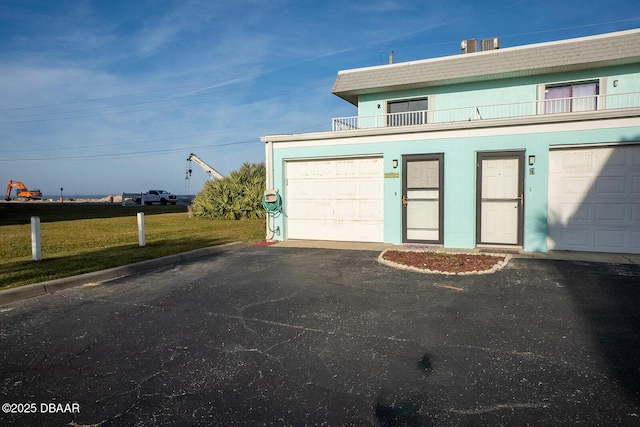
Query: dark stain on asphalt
point(424, 364)
point(403, 414)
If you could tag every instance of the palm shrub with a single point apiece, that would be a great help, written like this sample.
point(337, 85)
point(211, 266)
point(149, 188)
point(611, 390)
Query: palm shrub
point(237, 196)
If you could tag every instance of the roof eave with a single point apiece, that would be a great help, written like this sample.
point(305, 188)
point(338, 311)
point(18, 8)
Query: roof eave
point(528, 60)
point(351, 96)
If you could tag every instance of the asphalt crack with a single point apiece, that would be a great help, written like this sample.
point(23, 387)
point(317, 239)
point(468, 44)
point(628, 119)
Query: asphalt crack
point(242, 309)
point(499, 407)
point(316, 330)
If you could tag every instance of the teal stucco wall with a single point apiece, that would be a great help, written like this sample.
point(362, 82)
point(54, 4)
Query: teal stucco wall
point(460, 147)
point(460, 156)
point(500, 98)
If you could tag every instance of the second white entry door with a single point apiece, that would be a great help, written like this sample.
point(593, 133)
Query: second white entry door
point(500, 198)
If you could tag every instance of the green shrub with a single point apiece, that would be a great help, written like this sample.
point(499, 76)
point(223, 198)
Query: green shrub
point(237, 196)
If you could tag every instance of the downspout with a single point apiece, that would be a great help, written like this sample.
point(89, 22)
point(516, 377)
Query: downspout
point(269, 183)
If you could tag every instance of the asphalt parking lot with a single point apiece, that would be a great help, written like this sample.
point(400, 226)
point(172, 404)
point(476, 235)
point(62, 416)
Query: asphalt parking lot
point(289, 336)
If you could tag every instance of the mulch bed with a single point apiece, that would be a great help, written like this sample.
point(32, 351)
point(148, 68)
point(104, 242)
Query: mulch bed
point(442, 261)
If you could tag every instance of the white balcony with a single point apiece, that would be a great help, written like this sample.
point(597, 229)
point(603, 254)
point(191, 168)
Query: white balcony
point(490, 112)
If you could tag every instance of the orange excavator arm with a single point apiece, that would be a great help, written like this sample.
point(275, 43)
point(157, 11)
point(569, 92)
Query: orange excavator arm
point(9, 187)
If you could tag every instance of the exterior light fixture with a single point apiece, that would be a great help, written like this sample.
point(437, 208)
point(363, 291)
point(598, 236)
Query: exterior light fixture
point(395, 163)
point(615, 83)
point(532, 160)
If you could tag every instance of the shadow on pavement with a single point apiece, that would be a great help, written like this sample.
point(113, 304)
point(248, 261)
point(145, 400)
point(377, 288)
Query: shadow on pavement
point(608, 296)
point(405, 413)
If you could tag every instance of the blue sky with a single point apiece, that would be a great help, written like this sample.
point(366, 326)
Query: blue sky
point(102, 97)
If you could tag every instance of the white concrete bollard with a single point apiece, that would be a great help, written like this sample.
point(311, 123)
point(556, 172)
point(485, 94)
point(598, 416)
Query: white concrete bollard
point(141, 240)
point(36, 252)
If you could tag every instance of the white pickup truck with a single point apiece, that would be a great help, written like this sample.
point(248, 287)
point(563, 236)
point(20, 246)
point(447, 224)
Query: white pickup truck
point(157, 196)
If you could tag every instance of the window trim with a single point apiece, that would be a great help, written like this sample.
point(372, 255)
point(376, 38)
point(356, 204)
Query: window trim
point(601, 83)
point(407, 99)
point(429, 116)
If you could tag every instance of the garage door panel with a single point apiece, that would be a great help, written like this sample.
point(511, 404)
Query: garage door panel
point(321, 228)
point(344, 189)
point(336, 199)
point(320, 210)
point(370, 210)
point(575, 186)
point(611, 212)
point(299, 170)
point(310, 189)
point(592, 199)
point(609, 239)
point(571, 188)
point(348, 169)
point(334, 230)
point(573, 211)
point(297, 210)
point(580, 162)
point(612, 159)
point(307, 209)
point(371, 169)
point(300, 188)
point(317, 189)
point(611, 185)
point(635, 241)
point(575, 238)
point(346, 209)
point(370, 188)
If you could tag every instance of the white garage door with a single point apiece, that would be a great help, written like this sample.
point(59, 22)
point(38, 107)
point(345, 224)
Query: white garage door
point(594, 199)
point(337, 199)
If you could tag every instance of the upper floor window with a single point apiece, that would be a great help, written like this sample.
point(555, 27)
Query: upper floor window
point(407, 112)
point(571, 97)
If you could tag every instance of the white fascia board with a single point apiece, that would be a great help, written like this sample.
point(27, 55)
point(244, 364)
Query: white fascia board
point(535, 124)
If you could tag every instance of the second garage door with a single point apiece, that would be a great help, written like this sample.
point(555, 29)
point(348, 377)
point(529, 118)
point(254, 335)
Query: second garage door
point(594, 199)
point(335, 199)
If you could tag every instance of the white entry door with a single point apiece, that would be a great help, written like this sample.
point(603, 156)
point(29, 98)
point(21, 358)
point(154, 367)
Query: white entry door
point(500, 198)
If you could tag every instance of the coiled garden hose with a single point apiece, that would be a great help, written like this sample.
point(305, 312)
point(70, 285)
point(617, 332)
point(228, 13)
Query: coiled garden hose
point(273, 209)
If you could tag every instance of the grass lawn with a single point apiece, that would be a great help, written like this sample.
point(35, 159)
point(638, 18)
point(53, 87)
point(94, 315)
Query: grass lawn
point(80, 238)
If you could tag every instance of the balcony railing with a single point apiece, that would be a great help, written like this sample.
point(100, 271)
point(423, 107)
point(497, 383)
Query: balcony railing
point(489, 112)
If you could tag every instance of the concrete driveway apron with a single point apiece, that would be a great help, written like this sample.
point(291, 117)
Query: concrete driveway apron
point(289, 336)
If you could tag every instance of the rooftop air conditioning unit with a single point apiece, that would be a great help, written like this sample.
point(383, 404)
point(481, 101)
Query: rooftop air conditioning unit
point(490, 44)
point(469, 46)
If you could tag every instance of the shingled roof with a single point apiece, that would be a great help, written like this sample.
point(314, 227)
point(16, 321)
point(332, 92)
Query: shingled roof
point(610, 49)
